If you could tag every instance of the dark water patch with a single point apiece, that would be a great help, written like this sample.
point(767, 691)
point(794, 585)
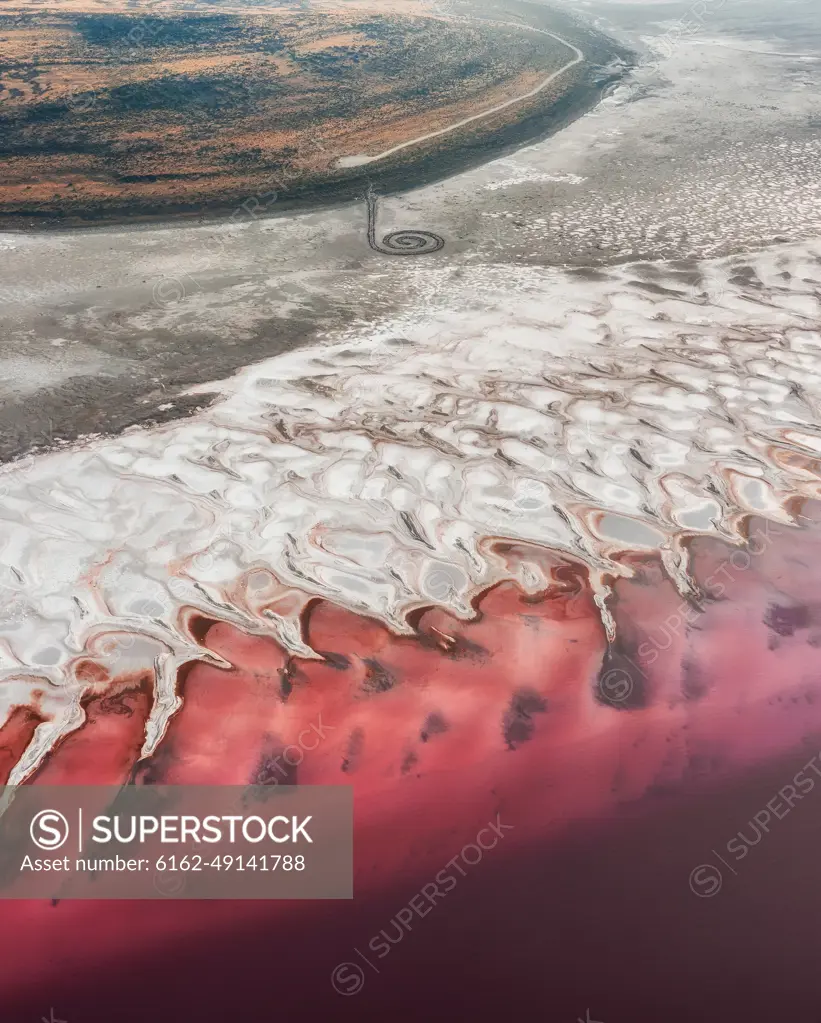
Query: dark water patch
point(621, 684)
point(377, 677)
point(337, 661)
point(272, 767)
point(434, 724)
point(518, 724)
point(785, 620)
point(353, 752)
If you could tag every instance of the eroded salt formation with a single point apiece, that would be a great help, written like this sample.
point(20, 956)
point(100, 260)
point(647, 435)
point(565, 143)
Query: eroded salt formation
point(591, 413)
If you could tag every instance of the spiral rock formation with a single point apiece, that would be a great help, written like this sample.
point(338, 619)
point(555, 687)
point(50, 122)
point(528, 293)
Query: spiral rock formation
point(400, 243)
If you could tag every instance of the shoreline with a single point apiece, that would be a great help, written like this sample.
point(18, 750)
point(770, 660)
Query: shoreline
point(395, 180)
point(395, 176)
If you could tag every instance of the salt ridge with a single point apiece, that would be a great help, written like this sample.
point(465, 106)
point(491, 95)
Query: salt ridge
point(589, 412)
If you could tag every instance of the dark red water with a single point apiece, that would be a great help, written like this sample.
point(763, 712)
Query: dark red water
point(635, 869)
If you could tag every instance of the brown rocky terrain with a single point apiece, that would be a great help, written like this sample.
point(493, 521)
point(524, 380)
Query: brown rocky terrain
point(109, 112)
